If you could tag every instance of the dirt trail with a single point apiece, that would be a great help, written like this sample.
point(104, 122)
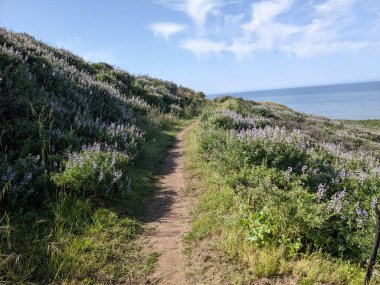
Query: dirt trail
point(167, 214)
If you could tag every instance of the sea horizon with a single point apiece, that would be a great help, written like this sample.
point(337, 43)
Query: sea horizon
point(346, 101)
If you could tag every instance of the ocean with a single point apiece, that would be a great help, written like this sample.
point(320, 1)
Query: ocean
point(353, 101)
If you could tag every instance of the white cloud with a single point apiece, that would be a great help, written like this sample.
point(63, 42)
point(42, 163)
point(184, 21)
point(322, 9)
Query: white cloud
point(324, 33)
point(305, 50)
point(335, 7)
point(203, 47)
point(166, 29)
point(264, 26)
point(242, 48)
point(197, 10)
point(264, 13)
point(302, 30)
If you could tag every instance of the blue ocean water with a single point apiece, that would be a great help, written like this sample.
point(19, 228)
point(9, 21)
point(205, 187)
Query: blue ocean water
point(355, 101)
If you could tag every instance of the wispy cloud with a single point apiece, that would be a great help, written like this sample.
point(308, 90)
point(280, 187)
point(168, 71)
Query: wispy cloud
point(331, 7)
point(202, 47)
point(264, 13)
point(242, 47)
point(166, 29)
point(273, 25)
point(197, 10)
point(305, 49)
point(324, 33)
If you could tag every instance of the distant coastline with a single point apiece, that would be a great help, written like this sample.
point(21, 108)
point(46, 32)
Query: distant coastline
point(351, 101)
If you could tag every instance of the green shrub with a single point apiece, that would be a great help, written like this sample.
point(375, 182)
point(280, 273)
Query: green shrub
point(95, 174)
point(296, 191)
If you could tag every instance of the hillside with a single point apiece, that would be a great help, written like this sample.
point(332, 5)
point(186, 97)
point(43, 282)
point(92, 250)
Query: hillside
point(285, 197)
point(80, 145)
point(275, 196)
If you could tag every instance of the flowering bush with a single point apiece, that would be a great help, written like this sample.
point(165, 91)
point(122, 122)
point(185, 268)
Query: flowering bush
point(53, 102)
point(96, 174)
point(310, 182)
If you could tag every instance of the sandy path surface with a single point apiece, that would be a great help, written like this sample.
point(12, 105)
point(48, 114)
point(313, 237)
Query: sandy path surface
point(167, 215)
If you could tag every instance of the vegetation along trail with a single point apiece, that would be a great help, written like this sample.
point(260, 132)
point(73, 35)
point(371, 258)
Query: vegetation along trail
point(167, 215)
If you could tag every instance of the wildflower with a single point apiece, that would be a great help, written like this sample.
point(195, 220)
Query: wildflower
point(113, 161)
point(304, 168)
point(28, 176)
point(288, 173)
point(361, 215)
point(374, 202)
point(101, 175)
point(9, 175)
point(362, 176)
point(117, 176)
point(321, 192)
point(336, 203)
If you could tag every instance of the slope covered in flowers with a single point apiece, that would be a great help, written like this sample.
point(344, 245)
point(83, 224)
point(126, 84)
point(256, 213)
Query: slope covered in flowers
point(295, 186)
point(73, 136)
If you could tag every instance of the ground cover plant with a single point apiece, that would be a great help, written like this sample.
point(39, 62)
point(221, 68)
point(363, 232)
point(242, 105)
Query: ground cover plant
point(80, 145)
point(290, 196)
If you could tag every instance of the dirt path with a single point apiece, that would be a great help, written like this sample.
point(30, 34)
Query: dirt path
point(167, 215)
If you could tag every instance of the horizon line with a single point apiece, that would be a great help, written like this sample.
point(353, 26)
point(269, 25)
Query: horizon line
point(294, 87)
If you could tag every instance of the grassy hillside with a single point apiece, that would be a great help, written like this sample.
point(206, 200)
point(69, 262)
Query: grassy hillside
point(371, 124)
point(80, 145)
point(288, 197)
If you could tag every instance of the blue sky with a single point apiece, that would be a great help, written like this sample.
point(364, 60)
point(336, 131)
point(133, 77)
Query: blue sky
point(212, 45)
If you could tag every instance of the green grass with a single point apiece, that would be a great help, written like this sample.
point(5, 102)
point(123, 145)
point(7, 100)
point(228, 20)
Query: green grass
point(371, 124)
point(73, 243)
point(230, 258)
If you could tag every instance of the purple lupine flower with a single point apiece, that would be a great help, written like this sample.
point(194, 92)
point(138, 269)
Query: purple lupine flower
point(361, 215)
point(288, 173)
point(28, 177)
point(9, 175)
point(374, 202)
point(321, 192)
point(337, 201)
